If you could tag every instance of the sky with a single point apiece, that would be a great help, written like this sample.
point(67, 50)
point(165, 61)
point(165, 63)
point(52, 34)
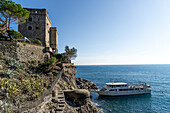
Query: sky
point(111, 32)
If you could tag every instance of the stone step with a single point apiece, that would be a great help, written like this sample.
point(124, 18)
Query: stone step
point(60, 97)
point(61, 102)
point(59, 110)
point(60, 93)
point(61, 105)
point(54, 100)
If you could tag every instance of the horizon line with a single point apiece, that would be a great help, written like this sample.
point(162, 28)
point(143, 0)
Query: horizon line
point(115, 64)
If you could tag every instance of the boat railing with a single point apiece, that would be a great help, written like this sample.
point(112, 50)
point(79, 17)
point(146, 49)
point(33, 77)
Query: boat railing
point(103, 89)
point(135, 86)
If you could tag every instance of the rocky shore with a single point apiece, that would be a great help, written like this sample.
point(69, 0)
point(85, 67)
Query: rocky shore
point(85, 84)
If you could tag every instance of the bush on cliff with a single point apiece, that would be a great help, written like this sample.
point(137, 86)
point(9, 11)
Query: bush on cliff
point(67, 56)
point(35, 41)
point(61, 58)
point(24, 81)
point(14, 64)
point(14, 34)
point(52, 61)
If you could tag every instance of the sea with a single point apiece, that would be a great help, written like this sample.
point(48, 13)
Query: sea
point(158, 76)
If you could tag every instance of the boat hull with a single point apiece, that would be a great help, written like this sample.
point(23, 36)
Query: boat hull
point(102, 93)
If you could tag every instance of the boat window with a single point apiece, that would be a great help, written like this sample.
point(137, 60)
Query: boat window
point(130, 89)
point(123, 89)
point(110, 86)
point(111, 90)
point(141, 88)
point(136, 88)
point(117, 85)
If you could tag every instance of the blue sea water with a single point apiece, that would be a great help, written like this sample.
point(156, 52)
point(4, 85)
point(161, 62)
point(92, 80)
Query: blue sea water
point(158, 76)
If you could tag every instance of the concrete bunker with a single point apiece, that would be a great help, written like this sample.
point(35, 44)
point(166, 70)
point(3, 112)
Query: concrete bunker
point(77, 97)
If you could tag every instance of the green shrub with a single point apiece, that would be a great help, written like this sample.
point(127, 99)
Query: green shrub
point(61, 58)
point(35, 41)
point(14, 63)
point(52, 61)
point(1, 54)
point(31, 39)
point(58, 56)
point(14, 34)
point(10, 87)
point(9, 73)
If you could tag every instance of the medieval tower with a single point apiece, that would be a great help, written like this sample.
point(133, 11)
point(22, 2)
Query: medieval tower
point(38, 26)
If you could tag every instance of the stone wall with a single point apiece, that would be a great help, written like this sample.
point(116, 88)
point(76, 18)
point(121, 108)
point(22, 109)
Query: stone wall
point(23, 51)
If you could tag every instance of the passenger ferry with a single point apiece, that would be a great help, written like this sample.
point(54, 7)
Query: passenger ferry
point(119, 89)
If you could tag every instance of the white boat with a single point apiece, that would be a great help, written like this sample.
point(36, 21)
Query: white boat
point(119, 89)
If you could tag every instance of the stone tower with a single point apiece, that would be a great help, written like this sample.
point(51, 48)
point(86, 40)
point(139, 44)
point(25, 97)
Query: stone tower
point(38, 26)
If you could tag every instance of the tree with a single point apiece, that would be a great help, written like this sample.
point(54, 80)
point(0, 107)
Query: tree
point(2, 30)
point(10, 12)
point(71, 53)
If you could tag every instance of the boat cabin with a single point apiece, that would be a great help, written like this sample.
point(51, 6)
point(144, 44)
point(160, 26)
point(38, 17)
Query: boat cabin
point(115, 85)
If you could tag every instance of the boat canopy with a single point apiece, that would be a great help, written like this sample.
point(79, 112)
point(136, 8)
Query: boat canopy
point(120, 83)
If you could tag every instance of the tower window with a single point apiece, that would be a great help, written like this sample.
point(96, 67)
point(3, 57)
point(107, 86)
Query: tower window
point(36, 12)
point(29, 27)
point(37, 27)
point(30, 19)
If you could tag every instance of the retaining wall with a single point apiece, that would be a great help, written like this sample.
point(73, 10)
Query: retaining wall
point(23, 51)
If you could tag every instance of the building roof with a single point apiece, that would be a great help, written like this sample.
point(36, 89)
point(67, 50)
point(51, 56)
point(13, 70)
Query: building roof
point(120, 83)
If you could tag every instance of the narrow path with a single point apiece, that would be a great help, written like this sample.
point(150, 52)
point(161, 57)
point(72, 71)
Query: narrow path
point(61, 101)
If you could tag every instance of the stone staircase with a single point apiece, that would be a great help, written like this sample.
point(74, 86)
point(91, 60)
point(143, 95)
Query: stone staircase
point(60, 101)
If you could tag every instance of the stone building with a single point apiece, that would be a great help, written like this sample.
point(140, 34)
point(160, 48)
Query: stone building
point(38, 26)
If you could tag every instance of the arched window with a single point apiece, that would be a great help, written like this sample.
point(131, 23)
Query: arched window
point(29, 27)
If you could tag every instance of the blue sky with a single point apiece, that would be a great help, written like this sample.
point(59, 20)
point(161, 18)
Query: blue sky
point(111, 31)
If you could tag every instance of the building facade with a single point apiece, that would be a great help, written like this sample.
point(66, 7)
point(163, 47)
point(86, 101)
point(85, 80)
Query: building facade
point(38, 26)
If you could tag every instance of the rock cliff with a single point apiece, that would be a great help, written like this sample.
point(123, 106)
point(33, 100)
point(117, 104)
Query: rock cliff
point(67, 98)
point(32, 87)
